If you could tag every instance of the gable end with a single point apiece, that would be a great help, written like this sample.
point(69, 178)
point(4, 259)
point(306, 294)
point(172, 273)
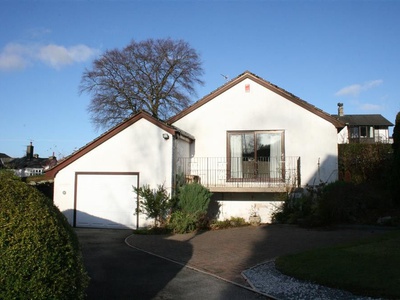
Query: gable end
point(51, 173)
point(274, 88)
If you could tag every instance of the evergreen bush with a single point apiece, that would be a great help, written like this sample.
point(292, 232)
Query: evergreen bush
point(365, 162)
point(342, 202)
point(192, 208)
point(395, 176)
point(40, 256)
point(194, 198)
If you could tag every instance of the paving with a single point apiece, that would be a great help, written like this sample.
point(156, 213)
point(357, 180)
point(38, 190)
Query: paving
point(226, 253)
point(121, 272)
point(203, 265)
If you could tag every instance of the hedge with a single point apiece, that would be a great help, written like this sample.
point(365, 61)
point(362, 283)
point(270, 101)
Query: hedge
point(40, 256)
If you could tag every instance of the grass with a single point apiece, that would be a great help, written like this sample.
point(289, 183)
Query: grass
point(370, 267)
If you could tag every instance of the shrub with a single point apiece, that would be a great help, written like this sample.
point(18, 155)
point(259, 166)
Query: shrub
point(154, 203)
point(296, 210)
point(40, 256)
point(338, 202)
point(395, 176)
point(191, 213)
point(342, 202)
point(194, 198)
point(365, 162)
point(182, 222)
point(228, 223)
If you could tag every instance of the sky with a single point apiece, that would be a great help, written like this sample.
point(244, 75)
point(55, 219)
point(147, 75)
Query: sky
point(324, 52)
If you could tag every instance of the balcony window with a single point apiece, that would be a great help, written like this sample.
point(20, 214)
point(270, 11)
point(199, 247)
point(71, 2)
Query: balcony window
point(255, 155)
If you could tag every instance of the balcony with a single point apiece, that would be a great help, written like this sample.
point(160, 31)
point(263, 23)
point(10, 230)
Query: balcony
point(220, 174)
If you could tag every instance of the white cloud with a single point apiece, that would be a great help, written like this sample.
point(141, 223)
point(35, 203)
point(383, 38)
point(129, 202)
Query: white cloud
point(372, 84)
point(352, 90)
point(12, 57)
point(356, 89)
point(18, 56)
point(59, 56)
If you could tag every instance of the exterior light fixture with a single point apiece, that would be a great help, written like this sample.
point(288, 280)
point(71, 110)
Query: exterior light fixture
point(165, 136)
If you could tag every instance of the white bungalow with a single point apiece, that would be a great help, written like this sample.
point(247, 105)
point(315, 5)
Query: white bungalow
point(248, 142)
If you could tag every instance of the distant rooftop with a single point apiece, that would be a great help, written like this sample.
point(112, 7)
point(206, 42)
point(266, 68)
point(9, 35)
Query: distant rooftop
point(360, 120)
point(3, 155)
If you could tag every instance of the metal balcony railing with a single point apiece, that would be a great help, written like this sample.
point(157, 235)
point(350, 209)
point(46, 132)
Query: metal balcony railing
point(219, 174)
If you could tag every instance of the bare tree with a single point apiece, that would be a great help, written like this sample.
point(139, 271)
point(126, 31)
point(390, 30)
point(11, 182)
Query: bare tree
point(157, 76)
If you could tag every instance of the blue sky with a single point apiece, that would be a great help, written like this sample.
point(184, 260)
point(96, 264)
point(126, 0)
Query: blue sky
point(324, 52)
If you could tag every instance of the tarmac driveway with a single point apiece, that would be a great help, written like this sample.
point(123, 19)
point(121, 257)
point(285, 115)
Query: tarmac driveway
point(118, 271)
point(126, 266)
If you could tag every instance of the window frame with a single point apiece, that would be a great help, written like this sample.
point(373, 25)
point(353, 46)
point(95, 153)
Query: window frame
point(255, 178)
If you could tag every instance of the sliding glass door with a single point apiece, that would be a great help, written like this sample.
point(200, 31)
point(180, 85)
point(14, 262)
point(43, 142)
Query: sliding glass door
point(255, 154)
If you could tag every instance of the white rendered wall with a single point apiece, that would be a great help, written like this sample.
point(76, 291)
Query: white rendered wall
point(243, 204)
point(343, 136)
point(381, 135)
point(306, 134)
point(139, 148)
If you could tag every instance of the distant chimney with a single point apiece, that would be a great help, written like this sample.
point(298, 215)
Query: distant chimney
point(340, 109)
point(29, 151)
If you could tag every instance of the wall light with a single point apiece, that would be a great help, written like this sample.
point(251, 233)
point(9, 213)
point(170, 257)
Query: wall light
point(165, 136)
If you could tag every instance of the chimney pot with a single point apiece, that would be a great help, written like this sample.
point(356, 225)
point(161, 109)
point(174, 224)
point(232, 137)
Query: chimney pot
point(340, 109)
point(29, 151)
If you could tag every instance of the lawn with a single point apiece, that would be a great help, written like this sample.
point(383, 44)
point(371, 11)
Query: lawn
point(370, 267)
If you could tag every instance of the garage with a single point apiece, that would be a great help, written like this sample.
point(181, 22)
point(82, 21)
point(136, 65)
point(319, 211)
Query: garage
point(94, 186)
point(105, 200)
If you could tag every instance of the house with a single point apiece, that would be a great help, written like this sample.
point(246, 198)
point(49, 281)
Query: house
point(31, 164)
point(249, 141)
point(363, 128)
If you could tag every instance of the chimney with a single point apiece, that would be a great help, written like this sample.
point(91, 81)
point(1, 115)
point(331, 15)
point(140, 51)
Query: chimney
point(29, 151)
point(340, 109)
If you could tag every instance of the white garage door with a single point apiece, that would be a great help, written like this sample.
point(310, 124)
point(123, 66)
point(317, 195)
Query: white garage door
point(106, 200)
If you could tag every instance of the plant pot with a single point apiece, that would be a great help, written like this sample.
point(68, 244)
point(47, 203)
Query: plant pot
point(254, 220)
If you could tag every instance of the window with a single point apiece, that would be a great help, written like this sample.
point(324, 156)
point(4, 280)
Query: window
point(361, 132)
point(255, 155)
point(366, 131)
point(354, 132)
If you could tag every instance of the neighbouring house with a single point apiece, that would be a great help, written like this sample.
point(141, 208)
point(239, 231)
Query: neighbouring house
point(31, 164)
point(249, 141)
point(369, 129)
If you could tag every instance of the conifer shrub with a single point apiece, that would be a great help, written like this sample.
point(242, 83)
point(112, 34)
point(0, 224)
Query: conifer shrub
point(40, 256)
point(191, 214)
point(194, 198)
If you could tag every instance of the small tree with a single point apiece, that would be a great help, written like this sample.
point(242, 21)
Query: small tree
point(154, 203)
point(157, 76)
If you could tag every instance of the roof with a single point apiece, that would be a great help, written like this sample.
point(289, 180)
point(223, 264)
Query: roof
point(248, 75)
point(51, 173)
point(371, 120)
point(3, 155)
point(25, 162)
